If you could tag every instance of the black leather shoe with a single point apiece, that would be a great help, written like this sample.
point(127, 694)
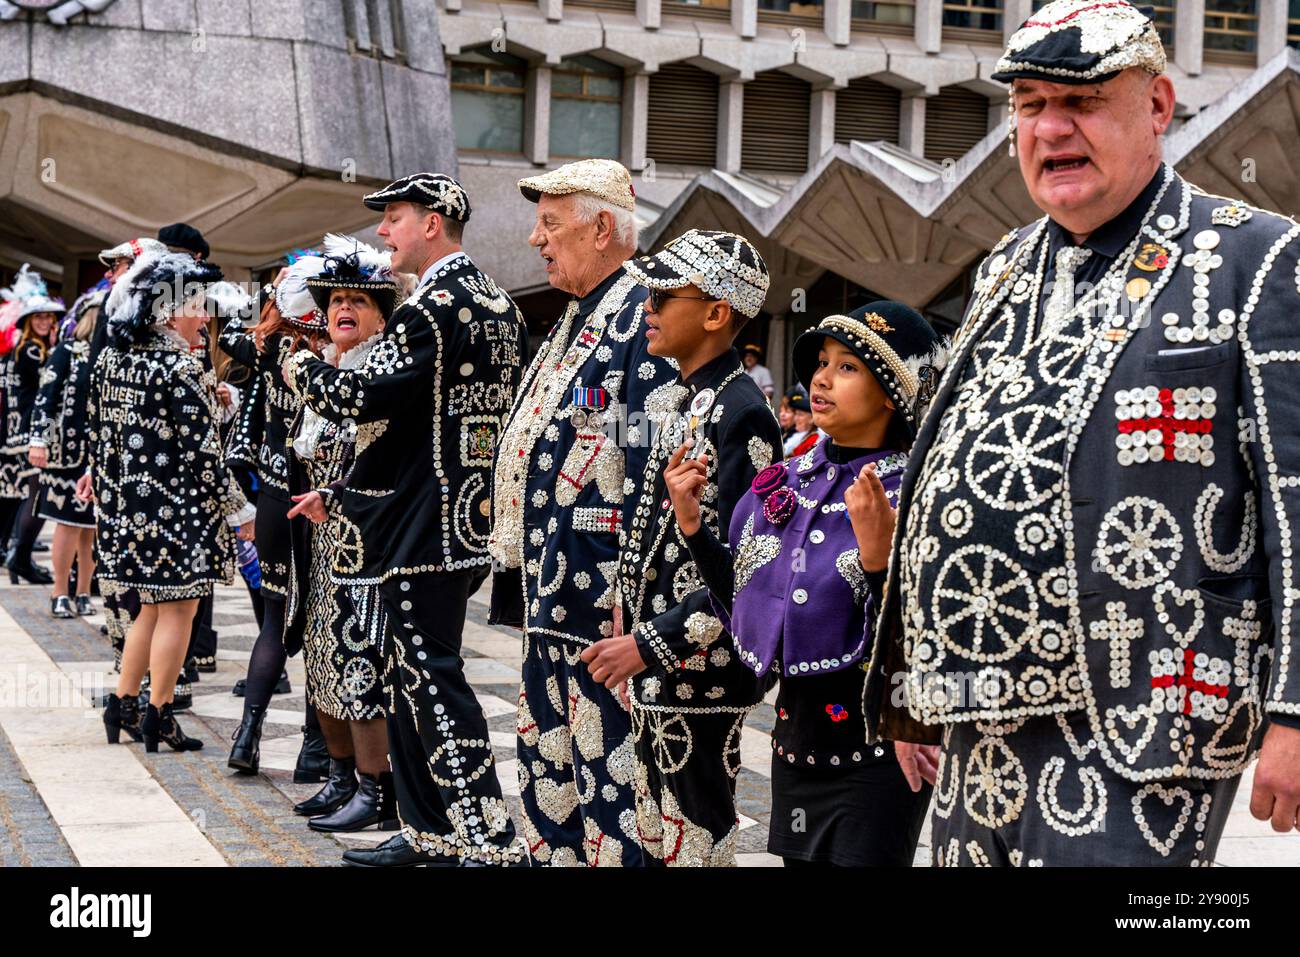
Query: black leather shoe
point(29, 572)
point(85, 606)
point(395, 852)
point(338, 790)
point(372, 805)
point(313, 763)
point(61, 607)
point(246, 755)
point(161, 725)
point(122, 714)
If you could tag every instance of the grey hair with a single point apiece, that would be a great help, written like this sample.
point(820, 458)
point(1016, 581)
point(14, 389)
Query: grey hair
point(587, 206)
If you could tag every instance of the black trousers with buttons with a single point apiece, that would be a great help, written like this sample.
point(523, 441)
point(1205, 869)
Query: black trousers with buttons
point(448, 797)
point(687, 764)
point(1027, 794)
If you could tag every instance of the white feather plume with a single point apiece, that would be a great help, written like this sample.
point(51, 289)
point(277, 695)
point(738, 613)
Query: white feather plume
point(229, 300)
point(927, 370)
point(292, 296)
point(122, 297)
point(27, 284)
point(378, 264)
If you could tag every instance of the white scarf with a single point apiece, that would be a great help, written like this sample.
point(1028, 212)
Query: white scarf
point(313, 425)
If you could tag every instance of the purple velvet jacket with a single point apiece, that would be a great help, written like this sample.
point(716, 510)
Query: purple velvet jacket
point(801, 603)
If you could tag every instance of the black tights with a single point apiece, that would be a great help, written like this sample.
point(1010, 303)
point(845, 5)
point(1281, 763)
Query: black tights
point(8, 509)
point(268, 657)
point(27, 524)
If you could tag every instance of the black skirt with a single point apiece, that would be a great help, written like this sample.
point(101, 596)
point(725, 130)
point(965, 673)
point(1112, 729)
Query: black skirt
point(273, 545)
point(58, 500)
point(860, 815)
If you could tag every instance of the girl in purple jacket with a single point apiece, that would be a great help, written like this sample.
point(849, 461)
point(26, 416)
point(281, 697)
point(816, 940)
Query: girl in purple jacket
point(800, 577)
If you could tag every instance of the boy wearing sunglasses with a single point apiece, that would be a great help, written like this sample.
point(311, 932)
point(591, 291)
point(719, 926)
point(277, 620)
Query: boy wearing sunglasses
point(690, 693)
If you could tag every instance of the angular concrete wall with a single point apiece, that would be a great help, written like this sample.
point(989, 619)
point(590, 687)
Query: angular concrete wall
point(287, 82)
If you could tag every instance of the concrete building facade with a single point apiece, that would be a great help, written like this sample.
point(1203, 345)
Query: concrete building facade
point(261, 122)
point(860, 144)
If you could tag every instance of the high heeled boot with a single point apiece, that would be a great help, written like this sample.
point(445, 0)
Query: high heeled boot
point(122, 714)
point(338, 790)
point(373, 805)
point(160, 725)
point(246, 754)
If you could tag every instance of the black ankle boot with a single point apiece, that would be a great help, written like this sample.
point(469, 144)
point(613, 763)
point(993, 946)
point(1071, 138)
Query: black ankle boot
point(313, 763)
point(22, 567)
point(372, 805)
point(246, 755)
point(122, 714)
point(161, 725)
point(338, 790)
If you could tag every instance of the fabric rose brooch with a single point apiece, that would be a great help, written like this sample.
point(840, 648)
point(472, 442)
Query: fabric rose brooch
point(779, 502)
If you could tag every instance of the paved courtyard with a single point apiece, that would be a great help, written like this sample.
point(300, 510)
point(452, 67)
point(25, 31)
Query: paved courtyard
point(67, 798)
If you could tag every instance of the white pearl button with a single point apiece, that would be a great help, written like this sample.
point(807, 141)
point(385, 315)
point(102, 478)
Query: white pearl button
point(1206, 239)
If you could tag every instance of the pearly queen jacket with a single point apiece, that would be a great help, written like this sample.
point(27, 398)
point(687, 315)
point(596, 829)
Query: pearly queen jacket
point(443, 376)
point(259, 438)
point(164, 495)
point(573, 450)
point(62, 409)
point(666, 605)
point(1180, 577)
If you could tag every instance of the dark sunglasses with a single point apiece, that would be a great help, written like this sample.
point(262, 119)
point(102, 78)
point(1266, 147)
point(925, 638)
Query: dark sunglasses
point(660, 296)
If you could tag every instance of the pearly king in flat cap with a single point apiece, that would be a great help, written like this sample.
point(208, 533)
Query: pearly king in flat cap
point(720, 265)
point(604, 178)
point(438, 191)
point(1082, 41)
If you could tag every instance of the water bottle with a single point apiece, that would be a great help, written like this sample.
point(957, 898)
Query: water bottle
point(246, 555)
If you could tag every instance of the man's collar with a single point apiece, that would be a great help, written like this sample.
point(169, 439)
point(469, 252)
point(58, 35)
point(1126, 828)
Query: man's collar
point(1110, 238)
point(432, 270)
point(588, 302)
point(711, 370)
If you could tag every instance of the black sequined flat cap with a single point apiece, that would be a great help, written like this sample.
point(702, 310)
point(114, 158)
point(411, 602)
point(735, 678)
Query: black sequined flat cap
point(1082, 41)
point(438, 191)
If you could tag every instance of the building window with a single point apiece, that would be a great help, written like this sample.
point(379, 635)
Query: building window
point(586, 108)
point(774, 130)
point(703, 7)
point(798, 8)
point(981, 15)
point(682, 119)
point(866, 110)
point(1231, 25)
point(1293, 23)
point(955, 120)
point(901, 14)
point(487, 101)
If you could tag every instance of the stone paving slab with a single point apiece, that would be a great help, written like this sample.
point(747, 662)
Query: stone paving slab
point(28, 835)
point(92, 791)
point(248, 821)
